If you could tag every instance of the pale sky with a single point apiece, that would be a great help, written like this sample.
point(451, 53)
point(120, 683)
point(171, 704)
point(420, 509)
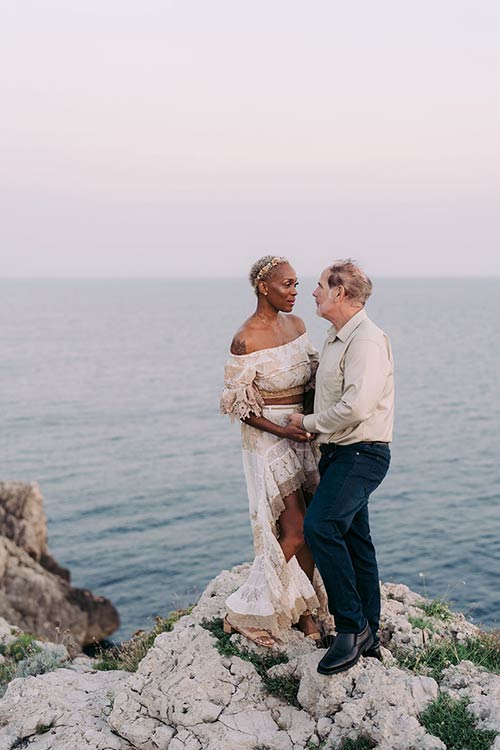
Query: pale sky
point(191, 137)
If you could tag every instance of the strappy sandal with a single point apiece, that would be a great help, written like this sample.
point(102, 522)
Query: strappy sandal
point(259, 637)
point(315, 635)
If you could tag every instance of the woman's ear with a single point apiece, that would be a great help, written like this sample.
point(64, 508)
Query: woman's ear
point(263, 288)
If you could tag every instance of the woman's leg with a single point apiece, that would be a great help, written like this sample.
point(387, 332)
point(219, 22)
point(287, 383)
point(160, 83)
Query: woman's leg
point(304, 556)
point(291, 539)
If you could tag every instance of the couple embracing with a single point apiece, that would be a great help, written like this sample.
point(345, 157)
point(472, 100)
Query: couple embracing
point(314, 556)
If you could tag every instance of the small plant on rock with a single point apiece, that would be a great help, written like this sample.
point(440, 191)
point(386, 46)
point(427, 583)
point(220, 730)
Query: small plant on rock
point(285, 688)
point(21, 647)
point(482, 650)
point(450, 720)
point(129, 654)
point(39, 662)
point(422, 623)
point(24, 657)
point(437, 608)
point(316, 746)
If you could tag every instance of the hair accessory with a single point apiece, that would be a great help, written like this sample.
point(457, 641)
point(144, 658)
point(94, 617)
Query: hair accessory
point(265, 269)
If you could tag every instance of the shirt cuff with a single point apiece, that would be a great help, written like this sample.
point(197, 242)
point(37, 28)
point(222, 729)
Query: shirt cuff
point(308, 423)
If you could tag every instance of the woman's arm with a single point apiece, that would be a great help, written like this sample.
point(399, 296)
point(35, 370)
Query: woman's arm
point(289, 431)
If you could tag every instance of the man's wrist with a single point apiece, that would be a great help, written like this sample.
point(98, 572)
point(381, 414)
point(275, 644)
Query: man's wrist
point(305, 419)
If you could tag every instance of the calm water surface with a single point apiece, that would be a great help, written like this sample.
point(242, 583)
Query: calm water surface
point(109, 396)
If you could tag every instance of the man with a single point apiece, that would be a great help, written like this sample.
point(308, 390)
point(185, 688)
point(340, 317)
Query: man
point(353, 418)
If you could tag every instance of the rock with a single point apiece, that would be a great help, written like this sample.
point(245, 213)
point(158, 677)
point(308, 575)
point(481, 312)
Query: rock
point(216, 701)
point(480, 687)
point(64, 709)
point(22, 518)
point(382, 702)
point(44, 604)
point(34, 589)
point(400, 605)
point(186, 695)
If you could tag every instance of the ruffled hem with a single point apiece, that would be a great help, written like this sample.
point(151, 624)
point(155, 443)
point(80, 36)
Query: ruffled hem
point(275, 594)
point(278, 624)
point(286, 473)
point(240, 403)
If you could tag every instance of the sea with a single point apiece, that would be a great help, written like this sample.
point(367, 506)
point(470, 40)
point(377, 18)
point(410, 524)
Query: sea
point(109, 398)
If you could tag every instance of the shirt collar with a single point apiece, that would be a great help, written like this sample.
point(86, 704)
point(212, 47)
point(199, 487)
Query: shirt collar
point(348, 328)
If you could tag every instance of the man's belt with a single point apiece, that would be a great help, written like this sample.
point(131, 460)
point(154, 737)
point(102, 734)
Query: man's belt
point(326, 448)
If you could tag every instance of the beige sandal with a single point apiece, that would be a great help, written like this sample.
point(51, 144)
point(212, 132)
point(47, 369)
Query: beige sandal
point(259, 637)
point(315, 635)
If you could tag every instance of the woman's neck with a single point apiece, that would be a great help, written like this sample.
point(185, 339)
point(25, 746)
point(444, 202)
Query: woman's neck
point(265, 313)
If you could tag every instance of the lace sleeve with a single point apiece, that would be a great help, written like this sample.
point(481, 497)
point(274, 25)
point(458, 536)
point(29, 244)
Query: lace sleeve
point(313, 355)
point(240, 398)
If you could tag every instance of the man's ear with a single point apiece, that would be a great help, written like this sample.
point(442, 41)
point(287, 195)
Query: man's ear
point(340, 293)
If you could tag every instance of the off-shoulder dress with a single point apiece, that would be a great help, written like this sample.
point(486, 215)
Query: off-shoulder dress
point(275, 593)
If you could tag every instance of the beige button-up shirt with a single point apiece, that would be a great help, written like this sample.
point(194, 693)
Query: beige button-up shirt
point(354, 399)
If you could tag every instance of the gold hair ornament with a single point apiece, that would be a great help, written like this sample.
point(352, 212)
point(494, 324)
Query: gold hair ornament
point(265, 269)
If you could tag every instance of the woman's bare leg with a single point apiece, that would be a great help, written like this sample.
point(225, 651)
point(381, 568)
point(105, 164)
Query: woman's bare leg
point(291, 539)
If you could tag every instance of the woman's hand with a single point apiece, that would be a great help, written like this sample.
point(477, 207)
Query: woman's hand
point(296, 431)
point(292, 432)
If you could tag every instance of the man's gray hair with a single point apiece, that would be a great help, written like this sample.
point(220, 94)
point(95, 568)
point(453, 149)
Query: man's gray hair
point(356, 283)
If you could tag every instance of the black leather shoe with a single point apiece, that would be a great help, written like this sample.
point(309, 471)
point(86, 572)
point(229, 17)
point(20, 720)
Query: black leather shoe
point(345, 651)
point(374, 651)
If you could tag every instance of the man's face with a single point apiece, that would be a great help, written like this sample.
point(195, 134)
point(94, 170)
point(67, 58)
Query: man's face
point(323, 297)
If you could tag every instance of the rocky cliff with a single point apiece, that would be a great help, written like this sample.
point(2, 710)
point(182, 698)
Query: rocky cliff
point(35, 591)
point(197, 689)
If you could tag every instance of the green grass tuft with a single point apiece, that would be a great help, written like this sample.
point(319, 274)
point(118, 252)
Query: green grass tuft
point(286, 688)
point(21, 648)
point(129, 654)
point(24, 658)
point(449, 720)
point(422, 623)
point(437, 608)
point(483, 650)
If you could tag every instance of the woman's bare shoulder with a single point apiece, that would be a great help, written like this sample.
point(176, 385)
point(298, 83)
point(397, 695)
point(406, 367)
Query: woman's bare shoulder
point(245, 340)
point(297, 324)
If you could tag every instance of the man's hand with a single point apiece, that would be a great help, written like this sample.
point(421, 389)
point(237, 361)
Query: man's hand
point(296, 420)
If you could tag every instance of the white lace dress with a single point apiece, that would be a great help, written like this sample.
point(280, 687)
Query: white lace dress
point(276, 593)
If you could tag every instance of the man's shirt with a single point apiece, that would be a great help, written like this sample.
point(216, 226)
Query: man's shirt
point(354, 399)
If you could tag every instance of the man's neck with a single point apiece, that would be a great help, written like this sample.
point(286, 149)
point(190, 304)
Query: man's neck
point(341, 317)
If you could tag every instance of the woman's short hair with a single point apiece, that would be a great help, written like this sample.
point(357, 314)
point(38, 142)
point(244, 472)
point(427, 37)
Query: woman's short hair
point(356, 283)
point(263, 269)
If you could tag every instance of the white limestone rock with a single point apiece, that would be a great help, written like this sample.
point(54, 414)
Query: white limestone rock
point(382, 702)
point(400, 605)
point(187, 696)
point(61, 710)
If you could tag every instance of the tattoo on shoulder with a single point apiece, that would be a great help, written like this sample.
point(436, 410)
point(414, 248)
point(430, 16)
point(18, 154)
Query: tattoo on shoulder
point(239, 346)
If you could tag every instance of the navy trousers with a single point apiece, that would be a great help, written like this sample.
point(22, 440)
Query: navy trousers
point(337, 530)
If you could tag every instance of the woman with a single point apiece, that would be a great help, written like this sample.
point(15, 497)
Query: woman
point(272, 364)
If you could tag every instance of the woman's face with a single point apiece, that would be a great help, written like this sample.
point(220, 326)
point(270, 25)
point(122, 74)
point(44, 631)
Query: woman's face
point(282, 287)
